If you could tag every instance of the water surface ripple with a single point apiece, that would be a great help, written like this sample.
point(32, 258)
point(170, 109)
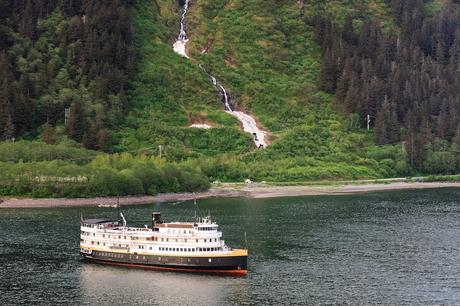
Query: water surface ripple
point(380, 248)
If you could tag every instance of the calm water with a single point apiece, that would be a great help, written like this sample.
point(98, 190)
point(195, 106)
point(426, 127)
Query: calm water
point(390, 248)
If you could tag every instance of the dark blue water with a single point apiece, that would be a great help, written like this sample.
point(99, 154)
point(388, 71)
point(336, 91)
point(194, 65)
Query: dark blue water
point(379, 248)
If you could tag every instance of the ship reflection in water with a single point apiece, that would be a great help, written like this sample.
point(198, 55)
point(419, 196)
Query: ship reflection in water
point(100, 284)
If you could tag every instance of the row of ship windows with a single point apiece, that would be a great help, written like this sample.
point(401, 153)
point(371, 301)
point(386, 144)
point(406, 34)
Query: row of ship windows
point(162, 239)
point(115, 255)
point(103, 243)
point(179, 231)
point(142, 247)
point(190, 240)
point(153, 238)
point(207, 228)
point(190, 249)
point(174, 231)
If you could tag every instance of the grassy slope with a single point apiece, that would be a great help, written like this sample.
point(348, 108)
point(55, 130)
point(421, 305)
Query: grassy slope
point(169, 90)
point(264, 52)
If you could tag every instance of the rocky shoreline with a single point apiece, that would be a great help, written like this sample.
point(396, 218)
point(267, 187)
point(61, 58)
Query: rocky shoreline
point(249, 191)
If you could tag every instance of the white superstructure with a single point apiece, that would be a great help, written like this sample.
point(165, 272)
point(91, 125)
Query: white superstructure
point(175, 238)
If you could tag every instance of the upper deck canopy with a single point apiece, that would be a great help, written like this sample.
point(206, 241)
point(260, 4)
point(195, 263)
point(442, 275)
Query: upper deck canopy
point(97, 221)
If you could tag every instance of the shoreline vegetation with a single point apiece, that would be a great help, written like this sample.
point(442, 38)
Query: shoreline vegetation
point(254, 190)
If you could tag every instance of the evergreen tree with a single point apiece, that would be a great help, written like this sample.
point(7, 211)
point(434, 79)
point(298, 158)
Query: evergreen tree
point(76, 123)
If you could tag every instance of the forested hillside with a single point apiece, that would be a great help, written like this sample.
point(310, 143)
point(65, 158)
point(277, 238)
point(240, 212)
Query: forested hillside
point(405, 77)
point(344, 89)
point(67, 54)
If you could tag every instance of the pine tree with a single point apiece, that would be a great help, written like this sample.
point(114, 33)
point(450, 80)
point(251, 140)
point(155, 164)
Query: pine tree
point(10, 129)
point(48, 133)
point(76, 123)
point(328, 77)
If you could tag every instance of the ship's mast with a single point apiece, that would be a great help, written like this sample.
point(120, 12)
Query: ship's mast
point(124, 220)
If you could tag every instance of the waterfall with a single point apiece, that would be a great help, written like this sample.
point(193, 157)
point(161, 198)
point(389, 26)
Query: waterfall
point(248, 122)
point(226, 99)
point(180, 45)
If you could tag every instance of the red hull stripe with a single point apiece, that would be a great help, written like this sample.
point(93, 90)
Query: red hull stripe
point(227, 272)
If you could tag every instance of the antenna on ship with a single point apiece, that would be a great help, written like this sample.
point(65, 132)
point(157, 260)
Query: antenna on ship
point(194, 203)
point(124, 220)
point(118, 205)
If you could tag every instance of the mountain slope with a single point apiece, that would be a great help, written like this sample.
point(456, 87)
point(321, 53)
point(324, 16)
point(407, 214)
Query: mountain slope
point(274, 57)
point(266, 56)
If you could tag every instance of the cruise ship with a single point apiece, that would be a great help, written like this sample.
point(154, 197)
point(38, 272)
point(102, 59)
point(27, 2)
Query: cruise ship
point(175, 246)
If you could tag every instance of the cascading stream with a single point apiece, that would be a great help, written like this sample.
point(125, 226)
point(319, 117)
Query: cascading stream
point(180, 45)
point(248, 122)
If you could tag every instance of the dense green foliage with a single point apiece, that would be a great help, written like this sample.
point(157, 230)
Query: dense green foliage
point(33, 151)
point(114, 175)
point(266, 55)
point(309, 71)
point(407, 82)
point(56, 55)
point(169, 93)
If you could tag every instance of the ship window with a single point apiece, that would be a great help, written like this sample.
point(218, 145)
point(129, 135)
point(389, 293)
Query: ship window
point(185, 240)
point(98, 243)
point(196, 240)
point(161, 239)
point(119, 245)
point(208, 249)
point(103, 243)
point(210, 260)
point(124, 237)
point(150, 248)
point(181, 249)
point(167, 239)
point(185, 232)
point(119, 237)
point(94, 234)
point(205, 240)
